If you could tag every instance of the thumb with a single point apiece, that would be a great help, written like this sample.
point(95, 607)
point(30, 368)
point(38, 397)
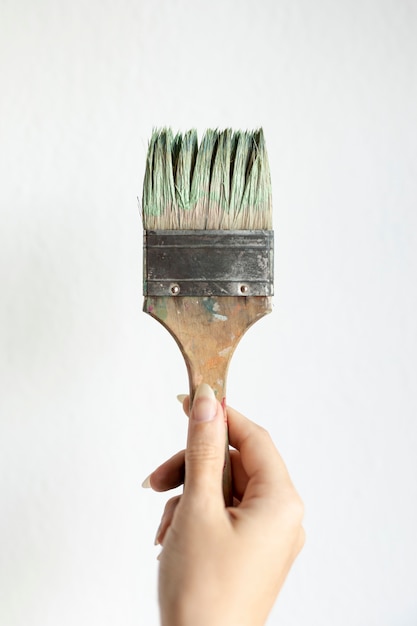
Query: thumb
point(204, 456)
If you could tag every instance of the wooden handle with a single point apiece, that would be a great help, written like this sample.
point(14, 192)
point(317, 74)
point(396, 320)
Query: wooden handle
point(207, 331)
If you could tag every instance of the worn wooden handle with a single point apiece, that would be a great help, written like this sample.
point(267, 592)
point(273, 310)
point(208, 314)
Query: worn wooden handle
point(207, 331)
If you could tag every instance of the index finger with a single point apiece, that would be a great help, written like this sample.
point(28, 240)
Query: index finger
point(266, 470)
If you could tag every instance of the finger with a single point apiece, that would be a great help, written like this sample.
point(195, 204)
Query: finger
point(240, 477)
point(204, 456)
point(257, 450)
point(168, 475)
point(269, 485)
point(166, 519)
point(171, 474)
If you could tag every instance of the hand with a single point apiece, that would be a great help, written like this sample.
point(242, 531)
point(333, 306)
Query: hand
point(225, 566)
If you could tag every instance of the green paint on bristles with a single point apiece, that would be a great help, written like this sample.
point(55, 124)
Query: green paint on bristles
point(223, 183)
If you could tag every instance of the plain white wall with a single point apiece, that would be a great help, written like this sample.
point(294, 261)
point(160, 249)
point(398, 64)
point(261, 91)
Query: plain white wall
point(88, 382)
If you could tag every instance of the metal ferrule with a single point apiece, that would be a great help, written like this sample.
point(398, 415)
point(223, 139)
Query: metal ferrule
point(208, 263)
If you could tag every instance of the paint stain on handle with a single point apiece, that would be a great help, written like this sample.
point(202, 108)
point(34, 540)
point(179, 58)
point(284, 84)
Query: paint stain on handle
point(212, 306)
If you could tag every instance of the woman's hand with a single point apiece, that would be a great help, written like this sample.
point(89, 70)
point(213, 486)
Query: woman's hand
point(225, 566)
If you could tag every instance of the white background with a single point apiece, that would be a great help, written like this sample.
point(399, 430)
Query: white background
point(88, 382)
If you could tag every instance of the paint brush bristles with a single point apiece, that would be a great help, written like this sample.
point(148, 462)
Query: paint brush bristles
point(222, 184)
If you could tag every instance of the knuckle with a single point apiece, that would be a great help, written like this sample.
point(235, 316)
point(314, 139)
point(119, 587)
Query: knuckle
point(171, 505)
point(301, 539)
point(202, 452)
point(262, 432)
point(291, 512)
point(298, 509)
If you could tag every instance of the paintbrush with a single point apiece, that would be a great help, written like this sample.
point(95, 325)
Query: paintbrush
point(208, 247)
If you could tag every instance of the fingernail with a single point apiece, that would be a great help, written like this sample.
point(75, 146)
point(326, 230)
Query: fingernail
point(204, 404)
point(181, 397)
point(147, 482)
